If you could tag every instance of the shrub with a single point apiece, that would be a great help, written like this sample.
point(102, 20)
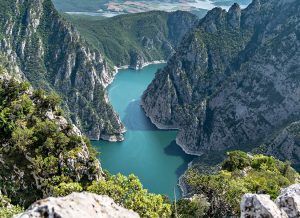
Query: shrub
point(128, 192)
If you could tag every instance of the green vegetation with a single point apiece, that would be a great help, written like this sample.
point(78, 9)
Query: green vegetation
point(49, 159)
point(6, 209)
point(241, 173)
point(124, 38)
point(36, 144)
point(128, 192)
point(197, 206)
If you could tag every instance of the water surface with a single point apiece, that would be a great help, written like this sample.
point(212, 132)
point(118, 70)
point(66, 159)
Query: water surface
point(149, 153)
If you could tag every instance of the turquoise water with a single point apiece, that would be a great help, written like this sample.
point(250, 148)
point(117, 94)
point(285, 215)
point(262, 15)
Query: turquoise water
point(147, 152)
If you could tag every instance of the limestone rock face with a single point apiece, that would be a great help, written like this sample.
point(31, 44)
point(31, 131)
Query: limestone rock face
point(253, 205)
point(77, 205)
point(287, 204)
point(50, 53)
point(289, 201)
point(232, 82)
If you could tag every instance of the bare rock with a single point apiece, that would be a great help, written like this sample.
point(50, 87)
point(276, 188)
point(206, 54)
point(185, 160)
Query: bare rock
point(254, 205)
point(75, 205)
point(287, 204)
point(289, 200)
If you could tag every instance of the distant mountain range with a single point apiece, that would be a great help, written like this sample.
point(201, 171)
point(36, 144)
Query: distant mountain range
point(113, 7)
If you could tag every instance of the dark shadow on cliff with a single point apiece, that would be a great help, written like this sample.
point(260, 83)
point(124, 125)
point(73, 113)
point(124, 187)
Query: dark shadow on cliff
point(175, 150)
point(135, 118)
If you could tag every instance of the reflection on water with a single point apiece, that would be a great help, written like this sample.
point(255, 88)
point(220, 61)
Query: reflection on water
point(135, 118)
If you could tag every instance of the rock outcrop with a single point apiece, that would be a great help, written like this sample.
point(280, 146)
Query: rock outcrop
point(289, 200)
point(233, 81)
point(254, 205)
point(49, 52)
point(83, 204)
point(286, 205)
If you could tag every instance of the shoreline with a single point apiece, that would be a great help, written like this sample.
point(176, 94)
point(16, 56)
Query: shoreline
point(181, 183)
point(165, 127)
point(124, 67)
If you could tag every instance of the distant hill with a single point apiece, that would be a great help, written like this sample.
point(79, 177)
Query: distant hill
point(135, 39)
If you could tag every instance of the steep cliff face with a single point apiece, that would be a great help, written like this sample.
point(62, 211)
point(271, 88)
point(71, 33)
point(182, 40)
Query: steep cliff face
point(50, 54)
point(136, 39)
point(233, 82)
point(285, 145)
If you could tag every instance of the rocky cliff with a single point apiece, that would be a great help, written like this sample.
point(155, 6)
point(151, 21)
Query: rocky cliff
point(233, 81)
point(77, 205)
point(50, 53)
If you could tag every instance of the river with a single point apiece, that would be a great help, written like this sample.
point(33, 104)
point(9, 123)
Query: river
point(147, 152)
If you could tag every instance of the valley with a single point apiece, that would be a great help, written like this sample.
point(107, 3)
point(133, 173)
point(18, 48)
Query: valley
point(135, 39)
point(125, 102)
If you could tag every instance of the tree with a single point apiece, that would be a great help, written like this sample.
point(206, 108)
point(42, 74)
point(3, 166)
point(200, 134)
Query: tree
point(128, 192)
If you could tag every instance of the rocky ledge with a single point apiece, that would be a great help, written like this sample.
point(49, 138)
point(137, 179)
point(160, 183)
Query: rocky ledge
point(83, 204)
point(287, 204)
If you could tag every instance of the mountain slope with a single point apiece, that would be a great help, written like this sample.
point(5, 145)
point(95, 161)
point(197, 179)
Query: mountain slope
point(234, 92)
point(238, 174)
point(135, 39)
point(50, 54)
point(43, 155)
point(39, 149)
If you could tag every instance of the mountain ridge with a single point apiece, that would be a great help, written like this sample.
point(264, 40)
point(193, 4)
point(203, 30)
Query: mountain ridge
point(217, 86)
point(135, 39)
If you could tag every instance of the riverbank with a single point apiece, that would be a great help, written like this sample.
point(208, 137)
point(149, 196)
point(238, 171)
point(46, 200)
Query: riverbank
point(185, 148)
point(124, 67)
point(120, 138)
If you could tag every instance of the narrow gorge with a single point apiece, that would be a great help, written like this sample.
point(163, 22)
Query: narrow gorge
point(148, 152)
point(112, 116)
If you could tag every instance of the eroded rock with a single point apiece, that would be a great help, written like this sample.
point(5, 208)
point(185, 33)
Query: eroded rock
point(77, 205)
point(286, 205)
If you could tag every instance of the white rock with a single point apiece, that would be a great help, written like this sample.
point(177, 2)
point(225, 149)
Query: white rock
point(289, 200)
point(77, 205)
point(255, 206)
